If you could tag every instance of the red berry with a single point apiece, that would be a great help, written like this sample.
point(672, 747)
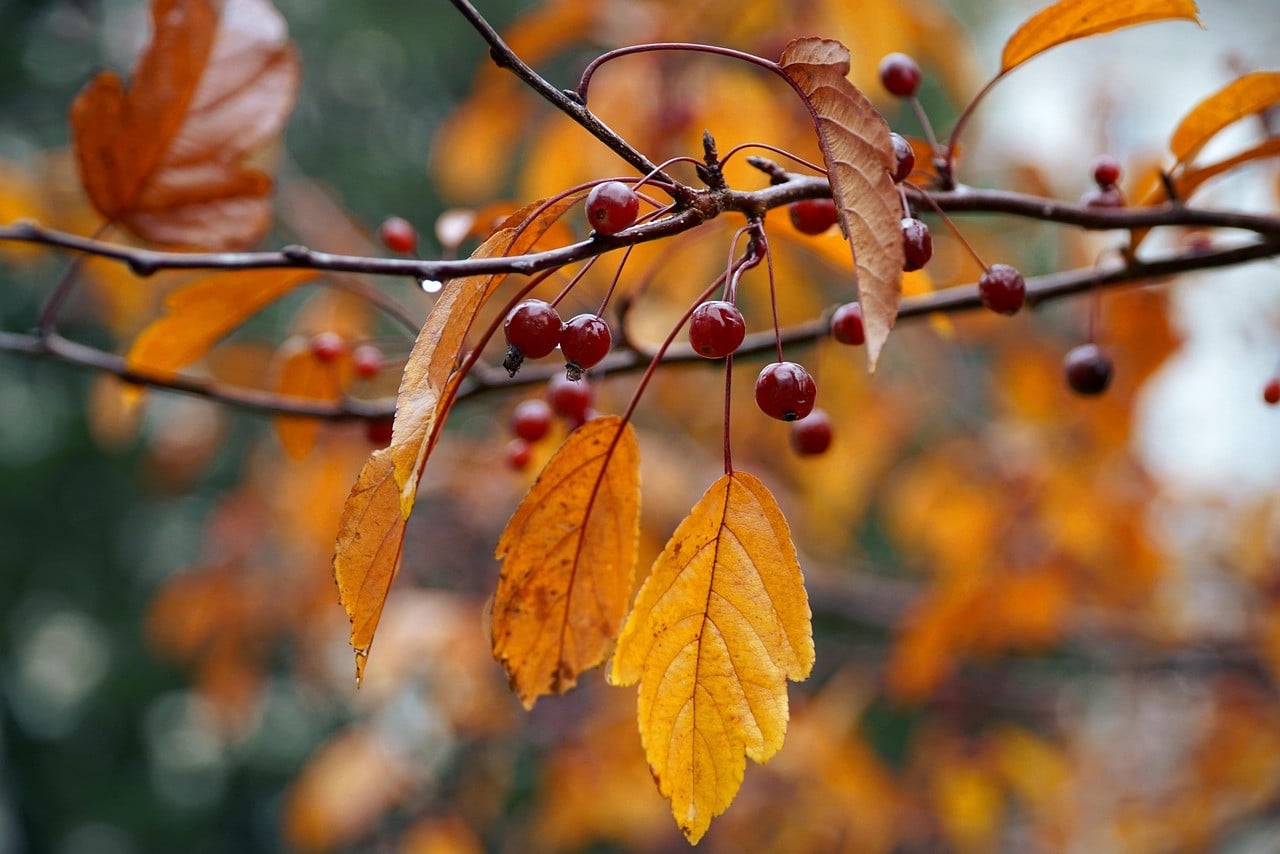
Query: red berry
point(612, 206)
point(846, 324)
point(813, 216)
point(905, 157)
point(367, 361)
point(1103, 197)
point(531, 419)
point(900, 75)
point(1271, 391)
point(1088, 369)
point(328, 346)
point(1002, 289)
point(398, 235)
point(569, 398)
point(586, 340)
point(716, 329)
point(519, 454)
point(784, 390)
point(917, 244)
point(379, 430)
point(534, 328)
point(1106, 171)
point(811, 436)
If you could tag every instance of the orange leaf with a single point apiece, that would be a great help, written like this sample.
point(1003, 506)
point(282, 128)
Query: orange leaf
point(719, 626)
point(859, 157)
point(199, 314)
point(166, 157)
point(370, 539)
point(1245, 96)
point(570, 554)
point(1068, 20)
point(302, 375)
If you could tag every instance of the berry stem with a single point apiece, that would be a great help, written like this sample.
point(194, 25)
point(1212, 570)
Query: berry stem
point(926, 126)
point(614, 284)
point(947, 173)
point(728, 409)
point(773, 290)
point(62, 290)
point(955, 229)
point(821, 170)
point(618, 53)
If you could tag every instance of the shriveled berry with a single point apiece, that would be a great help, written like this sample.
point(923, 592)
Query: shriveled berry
point(1002, 289)
point(378, 431)
point(398, 235)
point(367, 361)
point(917, 244)
point(1106, 171)
point(533, 327)
point(846, 324)
point(531, 419)
point(570, 399)
point(811, 436)
point(586, 340)
point(519, 453)
point(900, 75)
point(716, 329)
point(328, 346)
point(1103, 197)
point(612, 206)
point(813, 216)
point(905, 157)
point(1088, 369)
point(784, 390)
point(1271, 391)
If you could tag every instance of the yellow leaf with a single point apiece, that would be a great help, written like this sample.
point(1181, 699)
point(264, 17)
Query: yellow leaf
point(1068, 20)
point(719, 626)
point(1245, 96)
point(570, 554)
point(426, 389)
point(859, 159)
point(199, 314)
point(370, 539)
point(302, 375)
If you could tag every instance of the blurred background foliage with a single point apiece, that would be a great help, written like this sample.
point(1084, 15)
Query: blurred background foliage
point(1043, 623)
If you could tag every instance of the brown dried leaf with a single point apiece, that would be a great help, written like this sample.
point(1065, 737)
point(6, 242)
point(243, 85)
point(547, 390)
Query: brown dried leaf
point(569, 555)
point(166, 156)
point(1244, 96)
point(1068, 20)
point(859, 157)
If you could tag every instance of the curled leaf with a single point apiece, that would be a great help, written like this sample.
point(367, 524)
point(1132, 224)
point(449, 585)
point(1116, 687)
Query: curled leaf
point(1244, 96)
point(1068, 20)
point(569, 557)
point(718, 628)
point(859, 158)
point(166, 157)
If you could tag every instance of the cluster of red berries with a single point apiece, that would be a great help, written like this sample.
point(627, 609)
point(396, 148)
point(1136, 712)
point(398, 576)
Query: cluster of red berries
point(366, 362)
point(533, 329)
point(1106, 174)
point(532, 419)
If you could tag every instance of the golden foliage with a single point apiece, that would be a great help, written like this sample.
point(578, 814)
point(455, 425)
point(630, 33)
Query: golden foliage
point(718, 628)
point(1244, 96)
point(1068, 20)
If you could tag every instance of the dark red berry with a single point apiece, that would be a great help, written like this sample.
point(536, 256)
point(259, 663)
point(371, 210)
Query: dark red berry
point(917, 244)
point(1271, 391)
point(367, 361)
point(1103, 197)
point(900, 75)
point(1088, 369)
point(784, 390)
point(586, 340)
point(519, 453)
point(1106, 171)
point(378, 431)
point(811, 436)
point(570, 399)
point(813, 216)
point(1002, 289)
point(612, 206)
point(846, 324)
point(716, 329)
point(328, 346)
point(534, 328)
point(531, 419)
point(905, 157)
point(398, 235)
